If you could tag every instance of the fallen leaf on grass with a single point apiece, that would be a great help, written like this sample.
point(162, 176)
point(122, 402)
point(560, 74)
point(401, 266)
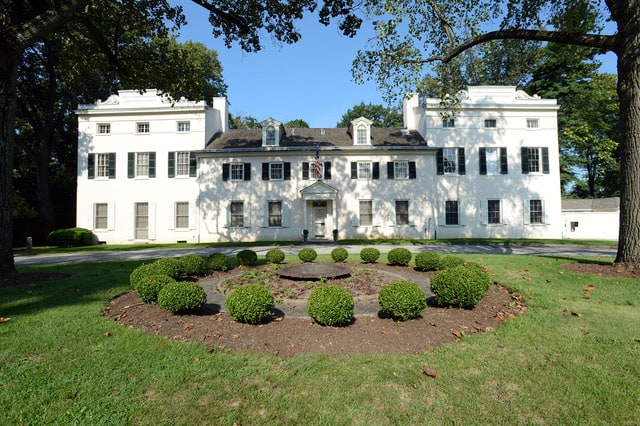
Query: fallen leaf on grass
point(561, 272)
point(457, 334)
point(576, 314)
point(429, 372)
point(589, 288)
point(3, 319)
point(107, 334)
point(197, 360)
point(278, 319)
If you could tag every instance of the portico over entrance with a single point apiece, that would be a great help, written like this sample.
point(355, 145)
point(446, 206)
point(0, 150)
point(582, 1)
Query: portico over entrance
point(319, 210)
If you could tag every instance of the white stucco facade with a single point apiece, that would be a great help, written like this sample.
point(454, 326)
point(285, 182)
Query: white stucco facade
point(490, 169)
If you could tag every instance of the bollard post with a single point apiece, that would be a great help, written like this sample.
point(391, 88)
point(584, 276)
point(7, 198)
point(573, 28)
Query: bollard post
point(29, 245)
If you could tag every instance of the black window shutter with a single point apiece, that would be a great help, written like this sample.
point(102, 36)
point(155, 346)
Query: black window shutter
point(354, 170)
point(412, 170)
point(112, 165)
point(193, 164)
point(390, 174)
point(483, 160)
point(462, 169)
point(545, 161)
point(439, 162)
point(504, 166)
point(225, 171)
point(287, 171)
point(265, 171)
point(376, 171)
point(305, 171)
point(131, 161)
point(247, 171)
point(152, 164)
point(327, 170)
point(171, 170)
point(91, 166)
point(524, 157)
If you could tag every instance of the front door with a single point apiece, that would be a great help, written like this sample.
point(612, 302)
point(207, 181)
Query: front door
point(319, 220)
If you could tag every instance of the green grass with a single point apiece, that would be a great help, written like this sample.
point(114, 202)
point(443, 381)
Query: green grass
point(568, 360)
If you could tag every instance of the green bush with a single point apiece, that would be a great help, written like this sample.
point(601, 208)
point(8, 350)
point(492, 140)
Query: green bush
point(449, 261)
point(331, 305)
point(402, 300)
point(275, 256)
point(143, 271)
point(339, 254)
point(170, 266)
point(182, 296)
point(369, 254)
point(247, 257)
point(427, 261)
point(307, 254)
point(71, 237)
point(150, 286)
point(251, 303)
point(399, 256)
point(217, 262)
point(192, 264)
point(463, 285)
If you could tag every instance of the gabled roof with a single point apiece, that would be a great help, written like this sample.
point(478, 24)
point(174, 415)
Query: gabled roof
point(595, 204)
point(305, 138)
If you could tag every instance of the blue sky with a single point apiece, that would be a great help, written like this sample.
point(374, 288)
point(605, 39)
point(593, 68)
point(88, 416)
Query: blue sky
point(310, 80)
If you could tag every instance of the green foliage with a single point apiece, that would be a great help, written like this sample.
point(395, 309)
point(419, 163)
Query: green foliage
point(450, 261)
point(462, 286)
point(150, 286)
point(143, 271)
point(307, 254)
point(402, 300)
point(380, 115)
point(275, 256)
point(170, 266)
point(298, 123)
point(369, 254)
point(192, 264)
point(252, 303)
point(331, 305)
point(182, 296)
point(71, 237)
point(247, 257)
point(399, 256)
point(217, 262)
point(339, 254)
point(427, 261)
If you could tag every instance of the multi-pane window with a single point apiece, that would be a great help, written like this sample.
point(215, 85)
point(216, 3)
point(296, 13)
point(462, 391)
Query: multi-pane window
point(313, 170)
point(532, 123)
point(451, 213)
point(104, 129)
point(450, 157)
point(493, 160)
point(236, 210)
point(142, 221)
point(493, 212)
point(142, 164)
point(402, 212)
point(361, 138)
point(101, 215)
point(182, 163)
point(364, 170)
point(142, 127)
point(182, 215)
point(533, 160)
point(448, 123)
point(536, 214)
point(237, 171)
point(275, 213)
point(102, 166)
point(184, 126)
point(490, 123)
point(276, 171)
point(270, 136)
point(366, 212)
point(401, 169)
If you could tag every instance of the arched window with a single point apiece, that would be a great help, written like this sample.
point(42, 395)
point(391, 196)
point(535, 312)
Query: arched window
point(270, 137)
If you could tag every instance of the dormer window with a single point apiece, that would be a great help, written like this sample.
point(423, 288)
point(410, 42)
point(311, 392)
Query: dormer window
point(361, 131)
point(270, 136)
point(272, 132)
point(362, 135)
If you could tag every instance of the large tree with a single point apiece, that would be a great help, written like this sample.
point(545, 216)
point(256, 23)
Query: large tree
point(379, 114)
point(413, 34)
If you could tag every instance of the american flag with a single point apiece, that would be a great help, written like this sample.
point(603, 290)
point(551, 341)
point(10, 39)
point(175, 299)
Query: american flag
point(318, 171)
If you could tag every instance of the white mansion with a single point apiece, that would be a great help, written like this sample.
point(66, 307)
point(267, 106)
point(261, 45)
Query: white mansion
point(153, 170)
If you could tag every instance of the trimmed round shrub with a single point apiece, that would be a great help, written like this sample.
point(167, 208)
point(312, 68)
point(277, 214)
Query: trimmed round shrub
point(275, 256)
point(399, 256)
point(150, 286)
point(71, 237)
point(142, 272)
point(339, 254)
point(247, 257)
point(307, 254)
point(182, 296)
point(331, 305)
point(427, 261)
point(170, 266)
point(192, 264)
point(251, 303)
point(217, 262)
point(462, 286)
point(449, 261)
point(402, 300)
point(369, 254)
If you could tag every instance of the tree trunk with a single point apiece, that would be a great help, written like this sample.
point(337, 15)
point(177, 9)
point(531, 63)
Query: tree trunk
point(629, 94)
point(8, 74)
